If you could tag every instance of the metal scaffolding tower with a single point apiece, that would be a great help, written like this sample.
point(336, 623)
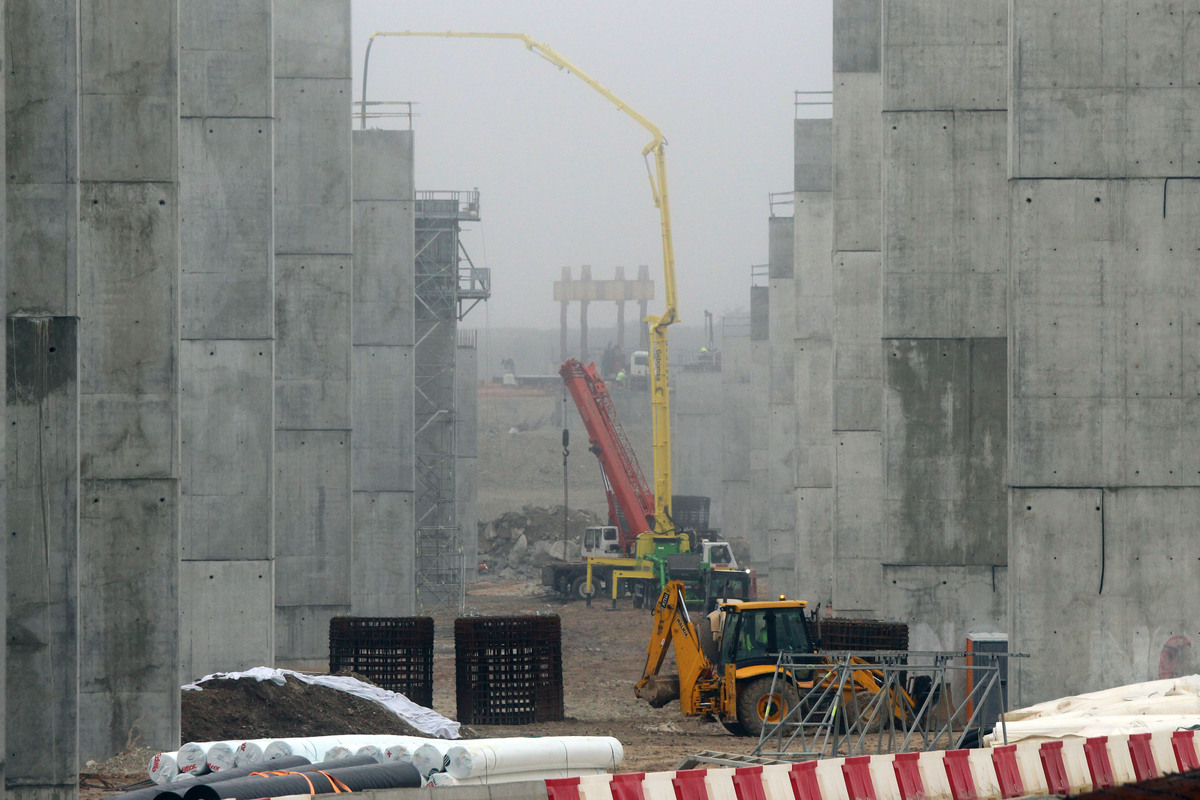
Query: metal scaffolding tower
point(443, 287)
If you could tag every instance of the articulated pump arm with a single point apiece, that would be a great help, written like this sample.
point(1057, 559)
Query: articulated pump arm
point(659, 377)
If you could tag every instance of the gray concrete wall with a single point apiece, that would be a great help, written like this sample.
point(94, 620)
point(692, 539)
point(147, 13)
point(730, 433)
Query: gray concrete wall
point(313, 299)
point(466, 441)
point(813, 357)
point(382, 450)
point(42, 399)
point(226, 358)
point(697, 446)
point(1103, 343)
point(128, 376)
point(736, 423)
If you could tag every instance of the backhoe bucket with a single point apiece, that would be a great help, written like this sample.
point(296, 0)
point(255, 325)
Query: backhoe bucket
point(658, 690)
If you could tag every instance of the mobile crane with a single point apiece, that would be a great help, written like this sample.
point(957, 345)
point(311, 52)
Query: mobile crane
point(632, 551)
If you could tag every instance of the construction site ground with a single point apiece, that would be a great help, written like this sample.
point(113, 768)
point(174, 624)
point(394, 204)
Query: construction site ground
point(603, 653)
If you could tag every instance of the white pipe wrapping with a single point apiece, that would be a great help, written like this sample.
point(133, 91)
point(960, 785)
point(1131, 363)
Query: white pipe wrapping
point(373, 750)
point(446, 779)
point(162, 768)
point(192, 758)
point(325, 748)
point(222, 755)
point(430, 755)
point(504, 756)
point(401, 748)
point(250, 752)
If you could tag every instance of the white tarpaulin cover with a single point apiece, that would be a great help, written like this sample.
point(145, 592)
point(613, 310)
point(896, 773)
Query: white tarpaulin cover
point(423, 719)
point(1168, 704)
point(498, 757)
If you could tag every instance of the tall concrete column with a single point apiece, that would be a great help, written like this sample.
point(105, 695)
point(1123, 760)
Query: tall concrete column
point(313, 290)
point(813, 355)
point(858, 513)
point(42, 403)
point(780, 422)
point(383, 576)
point(945, 221)
point(227, 332)
point(128, 376)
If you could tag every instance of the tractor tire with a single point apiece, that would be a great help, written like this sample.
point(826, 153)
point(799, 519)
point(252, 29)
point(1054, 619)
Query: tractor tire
point(757, 706)
point(735, 728)
point(579, 588)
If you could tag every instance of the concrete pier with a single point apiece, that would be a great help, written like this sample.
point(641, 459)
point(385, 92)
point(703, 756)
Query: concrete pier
point(227, 282)
point(384, 536)
point(313, 299)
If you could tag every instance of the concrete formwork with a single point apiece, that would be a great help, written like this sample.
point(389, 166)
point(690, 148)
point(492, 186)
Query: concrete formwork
point(128, 377)
point(226, 358)
point(382, 369)
point(313, 301)
point(813, 360)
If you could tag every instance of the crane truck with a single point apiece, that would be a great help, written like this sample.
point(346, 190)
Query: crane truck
point(632, 552)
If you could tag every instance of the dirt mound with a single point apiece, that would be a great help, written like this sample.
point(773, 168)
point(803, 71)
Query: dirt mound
point(227, 709)
point(517, 543)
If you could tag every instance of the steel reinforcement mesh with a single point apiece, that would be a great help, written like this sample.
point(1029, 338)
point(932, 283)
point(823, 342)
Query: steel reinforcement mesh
point(863, 634)
point(508, 670)
point(394, 653)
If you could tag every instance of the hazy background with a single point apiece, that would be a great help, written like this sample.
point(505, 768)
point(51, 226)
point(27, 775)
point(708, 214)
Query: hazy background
point(561, 177)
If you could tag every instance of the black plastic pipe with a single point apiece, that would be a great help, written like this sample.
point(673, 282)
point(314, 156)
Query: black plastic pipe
point(180, 785)
point(370, 775)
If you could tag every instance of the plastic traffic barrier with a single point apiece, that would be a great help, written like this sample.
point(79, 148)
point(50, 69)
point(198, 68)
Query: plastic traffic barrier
point(958, 772)
point(1183, 743)
point(1054, 767)
point(857, 773)
point(908, 776)
point(1008, 773)
point(627, 786)
point(1140, 752)
point(748, 783)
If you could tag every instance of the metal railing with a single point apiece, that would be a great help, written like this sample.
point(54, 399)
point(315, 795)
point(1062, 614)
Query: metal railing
point(760, 274)
point(808, 102)
point(856, 703)
point(384, 109)
point(780, 200)
point(448, 204)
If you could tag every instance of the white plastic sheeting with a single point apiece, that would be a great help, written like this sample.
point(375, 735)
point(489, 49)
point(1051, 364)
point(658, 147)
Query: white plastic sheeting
point(1167, 704)
point(423, 719)
point(162, 768)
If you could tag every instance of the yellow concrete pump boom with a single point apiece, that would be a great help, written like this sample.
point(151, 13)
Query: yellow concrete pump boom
point(659, 378)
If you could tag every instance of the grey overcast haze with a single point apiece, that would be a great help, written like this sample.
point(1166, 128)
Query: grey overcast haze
point(559, 169)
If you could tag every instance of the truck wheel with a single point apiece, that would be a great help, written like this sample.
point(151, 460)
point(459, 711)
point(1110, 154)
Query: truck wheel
point(579, 588)
point(758, 706)
point(735, 728)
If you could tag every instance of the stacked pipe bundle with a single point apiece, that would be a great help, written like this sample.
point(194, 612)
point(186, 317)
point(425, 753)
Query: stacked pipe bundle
point(517, 759)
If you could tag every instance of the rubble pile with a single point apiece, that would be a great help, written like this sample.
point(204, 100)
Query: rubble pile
point(517, 543)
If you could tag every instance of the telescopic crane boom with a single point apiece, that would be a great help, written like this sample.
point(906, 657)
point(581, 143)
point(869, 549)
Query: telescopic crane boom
point(659, 378)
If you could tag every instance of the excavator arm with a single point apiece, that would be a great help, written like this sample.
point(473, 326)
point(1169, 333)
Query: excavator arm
point(696, 679)
point(660, 398)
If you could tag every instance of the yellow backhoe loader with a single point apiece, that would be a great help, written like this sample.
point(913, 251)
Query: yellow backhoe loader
point(727, 662)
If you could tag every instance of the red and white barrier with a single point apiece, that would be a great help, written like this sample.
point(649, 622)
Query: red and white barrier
point(1024, 769)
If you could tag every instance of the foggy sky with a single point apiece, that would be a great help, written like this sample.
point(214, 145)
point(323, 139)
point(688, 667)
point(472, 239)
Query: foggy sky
point(560, 172)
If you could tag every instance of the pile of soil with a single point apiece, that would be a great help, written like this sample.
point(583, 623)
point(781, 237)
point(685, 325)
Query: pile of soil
point(516, 544)
point(248, 709)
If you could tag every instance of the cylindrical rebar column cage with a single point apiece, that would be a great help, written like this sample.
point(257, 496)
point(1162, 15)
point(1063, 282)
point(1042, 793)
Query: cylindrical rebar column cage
point(394, 653)
point(508, 670)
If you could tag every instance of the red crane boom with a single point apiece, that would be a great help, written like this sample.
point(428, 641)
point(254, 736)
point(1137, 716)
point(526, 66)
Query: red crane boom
point(623, 477)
